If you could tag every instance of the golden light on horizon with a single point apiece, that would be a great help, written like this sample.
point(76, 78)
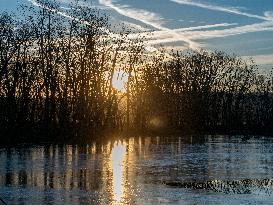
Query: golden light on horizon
point(120, 78)
point(157, 122)
point(118, 165)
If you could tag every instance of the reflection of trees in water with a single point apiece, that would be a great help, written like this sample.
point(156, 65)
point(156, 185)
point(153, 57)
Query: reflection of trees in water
point(88, 169)
point(53, 167)
point(119, 171)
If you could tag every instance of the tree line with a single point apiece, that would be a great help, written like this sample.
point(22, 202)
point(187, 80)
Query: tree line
point(205, 92)
point(57, 71)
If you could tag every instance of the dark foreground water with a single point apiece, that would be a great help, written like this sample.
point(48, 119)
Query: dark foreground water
point(133, 171)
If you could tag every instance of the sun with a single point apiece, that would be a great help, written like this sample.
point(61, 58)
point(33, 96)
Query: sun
point(120, 78)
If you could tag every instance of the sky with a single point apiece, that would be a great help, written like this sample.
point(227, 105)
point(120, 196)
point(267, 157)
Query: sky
point(242, 27)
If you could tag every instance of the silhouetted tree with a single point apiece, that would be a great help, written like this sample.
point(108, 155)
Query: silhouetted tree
point(56, 80)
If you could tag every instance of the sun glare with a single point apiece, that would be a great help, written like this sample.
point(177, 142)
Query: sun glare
point(117, 159)
point(120, 78)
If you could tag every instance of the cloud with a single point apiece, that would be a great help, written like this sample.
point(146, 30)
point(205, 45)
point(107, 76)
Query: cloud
point(261, 59)
point(189, 37)
point(151, 19)
point(257, 27)
point(231, 10)
point(148, 18)
point(135, 27)
point(198, 33)
point(269, 15)
point(40, 5)
point(66, 15)
point(158, 34)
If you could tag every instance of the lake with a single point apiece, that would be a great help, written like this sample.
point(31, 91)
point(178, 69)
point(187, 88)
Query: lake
point(134, 171)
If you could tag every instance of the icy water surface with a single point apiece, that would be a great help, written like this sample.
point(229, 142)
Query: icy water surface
point(133, 171)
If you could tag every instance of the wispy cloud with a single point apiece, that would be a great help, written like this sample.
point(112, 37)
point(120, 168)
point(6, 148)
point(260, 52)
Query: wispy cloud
point(40, 5)
point(231, 10)
point(192, 33)
point(257, 27)
point(136, 27)
point(269, 15)
point(189, 37)
point(149, 18)
point(66, 15)
point(167, 34)
point(207, 26)
point(261, 59)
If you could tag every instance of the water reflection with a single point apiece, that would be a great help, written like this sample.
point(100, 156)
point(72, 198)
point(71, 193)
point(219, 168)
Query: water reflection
point(116, 173)
point(128, 171)
point(118, 168)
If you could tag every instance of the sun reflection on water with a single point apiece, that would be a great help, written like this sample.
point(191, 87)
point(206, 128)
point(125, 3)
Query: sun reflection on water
point(118, 165)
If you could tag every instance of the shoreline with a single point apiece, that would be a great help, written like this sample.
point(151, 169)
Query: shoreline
point(105, 136)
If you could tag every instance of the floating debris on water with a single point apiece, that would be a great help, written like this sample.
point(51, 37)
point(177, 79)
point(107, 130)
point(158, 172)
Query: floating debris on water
point(245, 186)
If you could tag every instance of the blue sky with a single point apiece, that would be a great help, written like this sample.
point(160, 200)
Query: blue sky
point(243, 27)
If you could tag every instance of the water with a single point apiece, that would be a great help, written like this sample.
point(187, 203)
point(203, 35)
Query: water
point(133, 171)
